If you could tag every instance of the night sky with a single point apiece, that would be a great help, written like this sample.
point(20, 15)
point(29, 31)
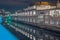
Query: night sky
point(19, 4)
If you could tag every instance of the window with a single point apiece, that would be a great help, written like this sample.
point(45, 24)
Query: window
point(51, 22)
point(34, 20)
point(30, 19)
point(31, 13)
point(34, 12)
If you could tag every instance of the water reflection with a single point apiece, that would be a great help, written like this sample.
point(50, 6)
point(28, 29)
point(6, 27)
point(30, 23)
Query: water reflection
point(35, 33)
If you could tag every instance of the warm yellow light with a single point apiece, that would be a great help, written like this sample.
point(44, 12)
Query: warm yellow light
point(44, 3)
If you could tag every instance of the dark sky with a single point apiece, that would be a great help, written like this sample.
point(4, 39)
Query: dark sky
point(19, 4)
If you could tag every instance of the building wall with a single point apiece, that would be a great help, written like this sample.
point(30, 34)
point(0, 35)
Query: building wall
point(58, 5)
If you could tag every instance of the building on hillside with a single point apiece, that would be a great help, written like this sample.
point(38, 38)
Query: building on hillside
point(41, 6)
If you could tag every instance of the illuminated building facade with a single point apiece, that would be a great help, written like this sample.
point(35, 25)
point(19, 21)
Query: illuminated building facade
point(58, 4)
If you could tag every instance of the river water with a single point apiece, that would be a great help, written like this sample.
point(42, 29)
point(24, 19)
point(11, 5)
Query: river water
point(5, 34)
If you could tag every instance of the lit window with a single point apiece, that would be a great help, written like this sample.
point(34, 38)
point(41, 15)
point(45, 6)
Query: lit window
point(34, 12)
